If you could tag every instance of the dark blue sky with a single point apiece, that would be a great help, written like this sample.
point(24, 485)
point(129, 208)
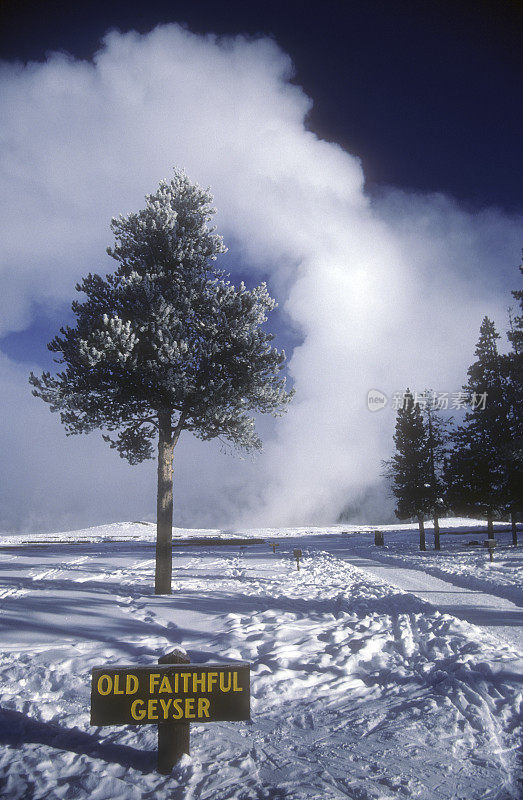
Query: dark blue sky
point(427, 94)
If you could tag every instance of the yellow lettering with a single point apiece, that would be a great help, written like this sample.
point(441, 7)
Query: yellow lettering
point(189, 708)
point(198, 684)
point(137, 709)
point(223, 687)
point(131, 684)
point(152, 709)
point(235, 686)
point(165, 705)
point(177, 704)
point(176, 682)
point(185, 676)
point(117, 689)
point(109, 681)
point(203, 707)
point(154, 678)
point(165, 685)
point(212, 678)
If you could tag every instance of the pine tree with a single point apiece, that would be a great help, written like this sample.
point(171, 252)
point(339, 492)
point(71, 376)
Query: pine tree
point(513, 362)
point(436, 444)
point(166, 344)
point(515, 334)
point(408, 468)
point(477, 469)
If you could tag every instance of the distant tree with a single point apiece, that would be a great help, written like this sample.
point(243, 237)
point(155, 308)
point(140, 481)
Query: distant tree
point(166, 344)
point(514, 381)
point(515, 333)
point(477, 472)
point(436, 438)
point(408, 469)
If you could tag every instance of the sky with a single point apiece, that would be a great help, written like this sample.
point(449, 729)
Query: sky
point(364, 162)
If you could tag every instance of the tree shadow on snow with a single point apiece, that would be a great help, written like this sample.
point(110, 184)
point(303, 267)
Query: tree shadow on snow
point(17, 729)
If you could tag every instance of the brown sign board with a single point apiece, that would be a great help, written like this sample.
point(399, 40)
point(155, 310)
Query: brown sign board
point(171, 693)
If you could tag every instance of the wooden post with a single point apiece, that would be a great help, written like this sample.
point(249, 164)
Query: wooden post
point(491, 543)
point(297, 556)
point(514, 528)
point(490, 526)
point(173, 737)
point(422, 545)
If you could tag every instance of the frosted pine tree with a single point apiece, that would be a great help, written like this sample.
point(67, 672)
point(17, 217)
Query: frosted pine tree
point(409, 468)
point(166, 344)
point(513, 363)
point(436, 432)
point(477, 469)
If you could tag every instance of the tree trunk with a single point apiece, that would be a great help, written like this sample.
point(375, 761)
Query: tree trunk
point(514, 528)
point(164, 505)
point(421, 533)
point(490, 526)
point(437, 545)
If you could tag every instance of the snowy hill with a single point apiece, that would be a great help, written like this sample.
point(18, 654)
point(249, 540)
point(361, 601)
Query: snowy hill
point(359, 688)
point(146, 531)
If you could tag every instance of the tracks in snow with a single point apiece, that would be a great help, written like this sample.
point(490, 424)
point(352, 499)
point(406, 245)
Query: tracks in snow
point(358, 690)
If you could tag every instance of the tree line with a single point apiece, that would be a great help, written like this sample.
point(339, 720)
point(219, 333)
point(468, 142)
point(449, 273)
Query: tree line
point(474, 468)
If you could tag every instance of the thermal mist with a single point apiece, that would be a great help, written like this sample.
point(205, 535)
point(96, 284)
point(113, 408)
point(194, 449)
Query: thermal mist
point(384, 293)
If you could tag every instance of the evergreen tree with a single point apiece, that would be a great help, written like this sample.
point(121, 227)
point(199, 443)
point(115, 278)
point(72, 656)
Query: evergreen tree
point(515, 334)
point(436, 443)
point(408, 469)
point(477, 468)
point(166, 344)
point(514, 380)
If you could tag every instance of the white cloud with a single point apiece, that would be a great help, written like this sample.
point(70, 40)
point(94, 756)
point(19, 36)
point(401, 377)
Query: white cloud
point(385, 294)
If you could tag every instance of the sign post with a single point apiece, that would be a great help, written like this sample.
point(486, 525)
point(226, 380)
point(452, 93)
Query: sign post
point(170, 695)
point(379, 539)
point(491, 544)
point(174, 738)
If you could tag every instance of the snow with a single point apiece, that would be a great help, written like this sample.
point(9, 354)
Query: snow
point(496, 614)
point(359, 688)
point(467, 566)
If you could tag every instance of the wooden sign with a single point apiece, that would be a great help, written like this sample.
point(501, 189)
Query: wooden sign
point(170, 693)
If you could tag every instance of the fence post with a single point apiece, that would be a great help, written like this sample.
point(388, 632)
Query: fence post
point(173, 737)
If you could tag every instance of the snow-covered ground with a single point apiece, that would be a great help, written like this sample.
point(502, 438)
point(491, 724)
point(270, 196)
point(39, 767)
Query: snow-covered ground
point(464, 564)
point(359, 689)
